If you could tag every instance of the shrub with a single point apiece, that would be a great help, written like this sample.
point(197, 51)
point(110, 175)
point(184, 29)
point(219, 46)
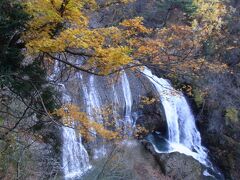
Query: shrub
point(231, 115)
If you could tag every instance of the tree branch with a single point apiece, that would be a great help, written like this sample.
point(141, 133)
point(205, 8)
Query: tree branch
point(89, 71)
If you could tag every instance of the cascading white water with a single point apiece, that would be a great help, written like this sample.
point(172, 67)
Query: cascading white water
point(75, 159)
point(115, 106)
point(183, 135)
point(93, 105)
point(128, 101)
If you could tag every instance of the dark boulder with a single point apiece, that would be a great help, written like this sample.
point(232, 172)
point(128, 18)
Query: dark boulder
point(177, 165)
point(152, 118)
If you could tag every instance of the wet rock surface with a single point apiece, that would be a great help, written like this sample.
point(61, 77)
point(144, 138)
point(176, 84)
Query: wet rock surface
point(152, 118)
point(128, 160)
point(176, 165)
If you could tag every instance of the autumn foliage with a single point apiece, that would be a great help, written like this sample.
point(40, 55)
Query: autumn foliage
point(60, 28)
point(74, 118)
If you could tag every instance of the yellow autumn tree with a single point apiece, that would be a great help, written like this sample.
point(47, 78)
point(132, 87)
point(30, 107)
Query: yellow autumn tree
point(87, 127)
point(176, 47)
point(62, 26)
point(59, 28)
point(208, 15)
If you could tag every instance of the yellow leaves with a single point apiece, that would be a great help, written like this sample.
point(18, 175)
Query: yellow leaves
point(134, 26)
point(111, 58)
point(113, 35)
point(58, 25)
point(72, 117)
point(147, 100)
point(43, 12)
point(133, 22)
point(49, 17)
point(209, 15)
point(74, 15)
point(69, 38)
point(140, 131)
point(149, 47)
point(80, 38)
point(70, 113)
point(44, 45)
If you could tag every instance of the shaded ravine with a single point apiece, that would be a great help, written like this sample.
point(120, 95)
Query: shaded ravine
point(183, 135)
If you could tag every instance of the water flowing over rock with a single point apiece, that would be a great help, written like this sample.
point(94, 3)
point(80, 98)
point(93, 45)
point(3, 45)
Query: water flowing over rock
point(93, 93)
point(177, 165)
point(128, 103)
point(93, 102)
point(75, 159)
point(183, 135)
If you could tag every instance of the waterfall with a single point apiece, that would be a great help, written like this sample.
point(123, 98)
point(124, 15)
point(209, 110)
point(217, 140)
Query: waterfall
point(183, 135)
point(93, 105)
point(115, 106)
point(75, 159)
point(128, 121)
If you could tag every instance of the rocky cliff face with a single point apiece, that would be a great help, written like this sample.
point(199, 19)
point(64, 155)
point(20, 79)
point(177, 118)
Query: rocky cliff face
point(133, 158)
point(127, 160)
point(149, 116)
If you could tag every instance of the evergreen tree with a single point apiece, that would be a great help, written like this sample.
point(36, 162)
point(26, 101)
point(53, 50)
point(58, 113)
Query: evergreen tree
point(186, 6)
point(21, 79)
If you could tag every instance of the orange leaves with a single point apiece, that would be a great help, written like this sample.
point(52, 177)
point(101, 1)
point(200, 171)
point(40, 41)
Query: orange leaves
point(134, 26)
point(140, 132)
point(208, 17)
point(72, 117)
point(111, 58)
point(58, 25)
point(176, 36)
point(147, 100)
point(167, 45)
point(148, 48)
